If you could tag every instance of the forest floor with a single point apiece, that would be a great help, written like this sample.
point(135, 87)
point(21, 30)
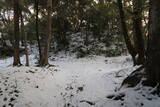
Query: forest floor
point(72, 82)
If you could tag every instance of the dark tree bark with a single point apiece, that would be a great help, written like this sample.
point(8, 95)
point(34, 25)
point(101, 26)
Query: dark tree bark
point(129, 45)
point(153, 52)
point(37, 29)
point(16, 61)
point(2, 39)
point(44, 60)
point(137, 29)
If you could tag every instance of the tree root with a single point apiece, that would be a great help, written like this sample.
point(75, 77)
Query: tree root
point(134, 78)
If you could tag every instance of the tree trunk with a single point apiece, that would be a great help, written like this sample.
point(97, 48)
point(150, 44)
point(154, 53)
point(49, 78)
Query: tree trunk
point(16, 61)
point(44, 60)
point(37, 29)
point(129, 45)
point(137, 29)
point(2, 39)
point(153, 52)
point(24, 39)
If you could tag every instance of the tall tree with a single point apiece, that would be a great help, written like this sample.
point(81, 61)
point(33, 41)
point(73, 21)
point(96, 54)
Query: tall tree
point(37, 29)
point(44, 60)
point(153, 52)
point(16, 33)
point(23, 34)
point(137, 31)
point(129, 45)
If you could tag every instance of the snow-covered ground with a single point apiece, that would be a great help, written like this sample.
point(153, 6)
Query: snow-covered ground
point(72, 82)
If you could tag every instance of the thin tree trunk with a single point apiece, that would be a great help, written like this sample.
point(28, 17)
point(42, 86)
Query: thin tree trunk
point(37, 29)
point(129, 45)
point(21, 28)
point(44, 61)
point(2, 39)
point(153, 52)
point(137, 29)
point(148, 36)
point(23, 34)
point(16, 61)
point(26, 49)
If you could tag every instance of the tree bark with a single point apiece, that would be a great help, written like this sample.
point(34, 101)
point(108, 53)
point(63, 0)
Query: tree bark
point(153, 52)
point(37, 29)
point(44, 60)
point(16, 61)
point(137, 29)
point(129, 45)
point(2, 39)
